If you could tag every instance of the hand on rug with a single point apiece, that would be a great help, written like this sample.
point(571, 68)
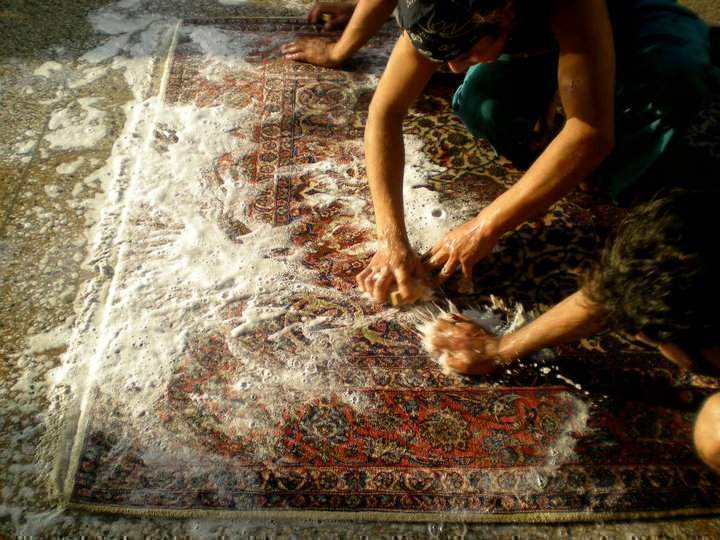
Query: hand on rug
point(395, 264)
point(464, 346)
point(316, 51)
point(462, 248)
point(334, 14)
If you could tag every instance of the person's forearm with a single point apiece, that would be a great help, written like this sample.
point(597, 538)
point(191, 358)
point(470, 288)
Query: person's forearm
point(570, 158)
point(385, 161)
point(368, 17)
point(406, 74)
point(573, 319)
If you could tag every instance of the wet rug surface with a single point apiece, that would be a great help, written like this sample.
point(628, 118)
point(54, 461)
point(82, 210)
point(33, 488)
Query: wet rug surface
point(238, 370)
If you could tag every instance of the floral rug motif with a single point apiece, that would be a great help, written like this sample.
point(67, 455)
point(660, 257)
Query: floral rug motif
point(330, 407)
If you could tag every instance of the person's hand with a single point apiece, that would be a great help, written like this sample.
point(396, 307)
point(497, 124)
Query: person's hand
point(462, 248)
point(394, 263)
point(316, 51)
point(465, 346)
point(333, 14)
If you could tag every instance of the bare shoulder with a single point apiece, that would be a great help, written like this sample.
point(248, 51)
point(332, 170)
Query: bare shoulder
point(406, 74)
point(576, 22)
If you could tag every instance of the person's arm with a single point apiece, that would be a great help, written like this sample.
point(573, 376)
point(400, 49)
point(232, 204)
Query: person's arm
point(405, 76)
point(367, 18)
point(573, 319)
point(471, 350)
point(586, 79)
point(334, 15)
point(586, 83)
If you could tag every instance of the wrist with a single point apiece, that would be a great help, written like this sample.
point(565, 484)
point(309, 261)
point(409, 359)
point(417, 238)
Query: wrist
point(334, 54)
point(487, 227)
point(507, 350)
point(394, 239)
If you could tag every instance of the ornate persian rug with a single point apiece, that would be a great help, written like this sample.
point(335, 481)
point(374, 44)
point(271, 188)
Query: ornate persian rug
point(238, 372)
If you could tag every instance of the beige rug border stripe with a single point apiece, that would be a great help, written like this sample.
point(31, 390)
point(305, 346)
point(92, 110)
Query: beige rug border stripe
point(394, 516)
point(62, 479)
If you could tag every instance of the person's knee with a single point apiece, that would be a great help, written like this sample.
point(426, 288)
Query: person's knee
point(476, 110)
point(487, 117)
point(707, 432)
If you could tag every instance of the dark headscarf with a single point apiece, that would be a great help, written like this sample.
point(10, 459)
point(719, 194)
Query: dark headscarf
point(444, 29)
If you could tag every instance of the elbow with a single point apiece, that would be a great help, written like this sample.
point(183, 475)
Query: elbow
point(379, 113)
point(597, 141)
point(383, 119)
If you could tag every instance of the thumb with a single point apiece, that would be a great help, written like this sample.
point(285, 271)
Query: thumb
point(297, 57)
point(333, 23)
point(466, 267)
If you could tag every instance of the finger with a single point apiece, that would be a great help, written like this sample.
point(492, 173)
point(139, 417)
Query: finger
point(447, 270)
point(290, 48)
point(438, 259)
point(315, 14)
point(382, 287)
point(296, 57)
point(438, 248)
point(360, 278)
point(335, 22)
point(404, 283)
point(466, 268)
point(369, 283)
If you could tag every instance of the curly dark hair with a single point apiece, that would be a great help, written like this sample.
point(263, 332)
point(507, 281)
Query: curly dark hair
point(660, 273)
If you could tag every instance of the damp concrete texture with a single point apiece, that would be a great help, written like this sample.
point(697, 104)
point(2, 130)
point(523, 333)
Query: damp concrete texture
point(65, 87)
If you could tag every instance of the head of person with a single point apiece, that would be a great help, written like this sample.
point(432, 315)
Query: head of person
point(660, 278)
point(459, 32)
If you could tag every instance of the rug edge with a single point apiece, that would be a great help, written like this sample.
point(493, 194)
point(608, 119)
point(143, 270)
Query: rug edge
point(377, 516)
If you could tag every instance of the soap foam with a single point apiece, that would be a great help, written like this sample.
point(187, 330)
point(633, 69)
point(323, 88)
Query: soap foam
point(77, 127)
point(428, 218)
point(173, 275)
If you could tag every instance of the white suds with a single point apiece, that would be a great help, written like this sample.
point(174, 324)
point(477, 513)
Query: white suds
point(56, 338)
point(47, 69)
point(25, 147)
point(77, 127)
point(487, 317)
point(175, 274)
point(70, 167)
point(427, 218)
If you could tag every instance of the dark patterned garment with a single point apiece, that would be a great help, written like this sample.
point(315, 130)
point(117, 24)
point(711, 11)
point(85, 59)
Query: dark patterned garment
point(664, 77)
point(445, 30)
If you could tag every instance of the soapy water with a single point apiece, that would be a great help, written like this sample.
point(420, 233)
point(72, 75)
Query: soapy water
point(499, 319)
point(172, 274)
point(490, 318)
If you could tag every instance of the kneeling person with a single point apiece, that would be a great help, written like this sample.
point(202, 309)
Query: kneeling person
point(658, 278)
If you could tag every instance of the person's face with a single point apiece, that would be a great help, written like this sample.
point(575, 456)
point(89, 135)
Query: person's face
point(486, 49)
